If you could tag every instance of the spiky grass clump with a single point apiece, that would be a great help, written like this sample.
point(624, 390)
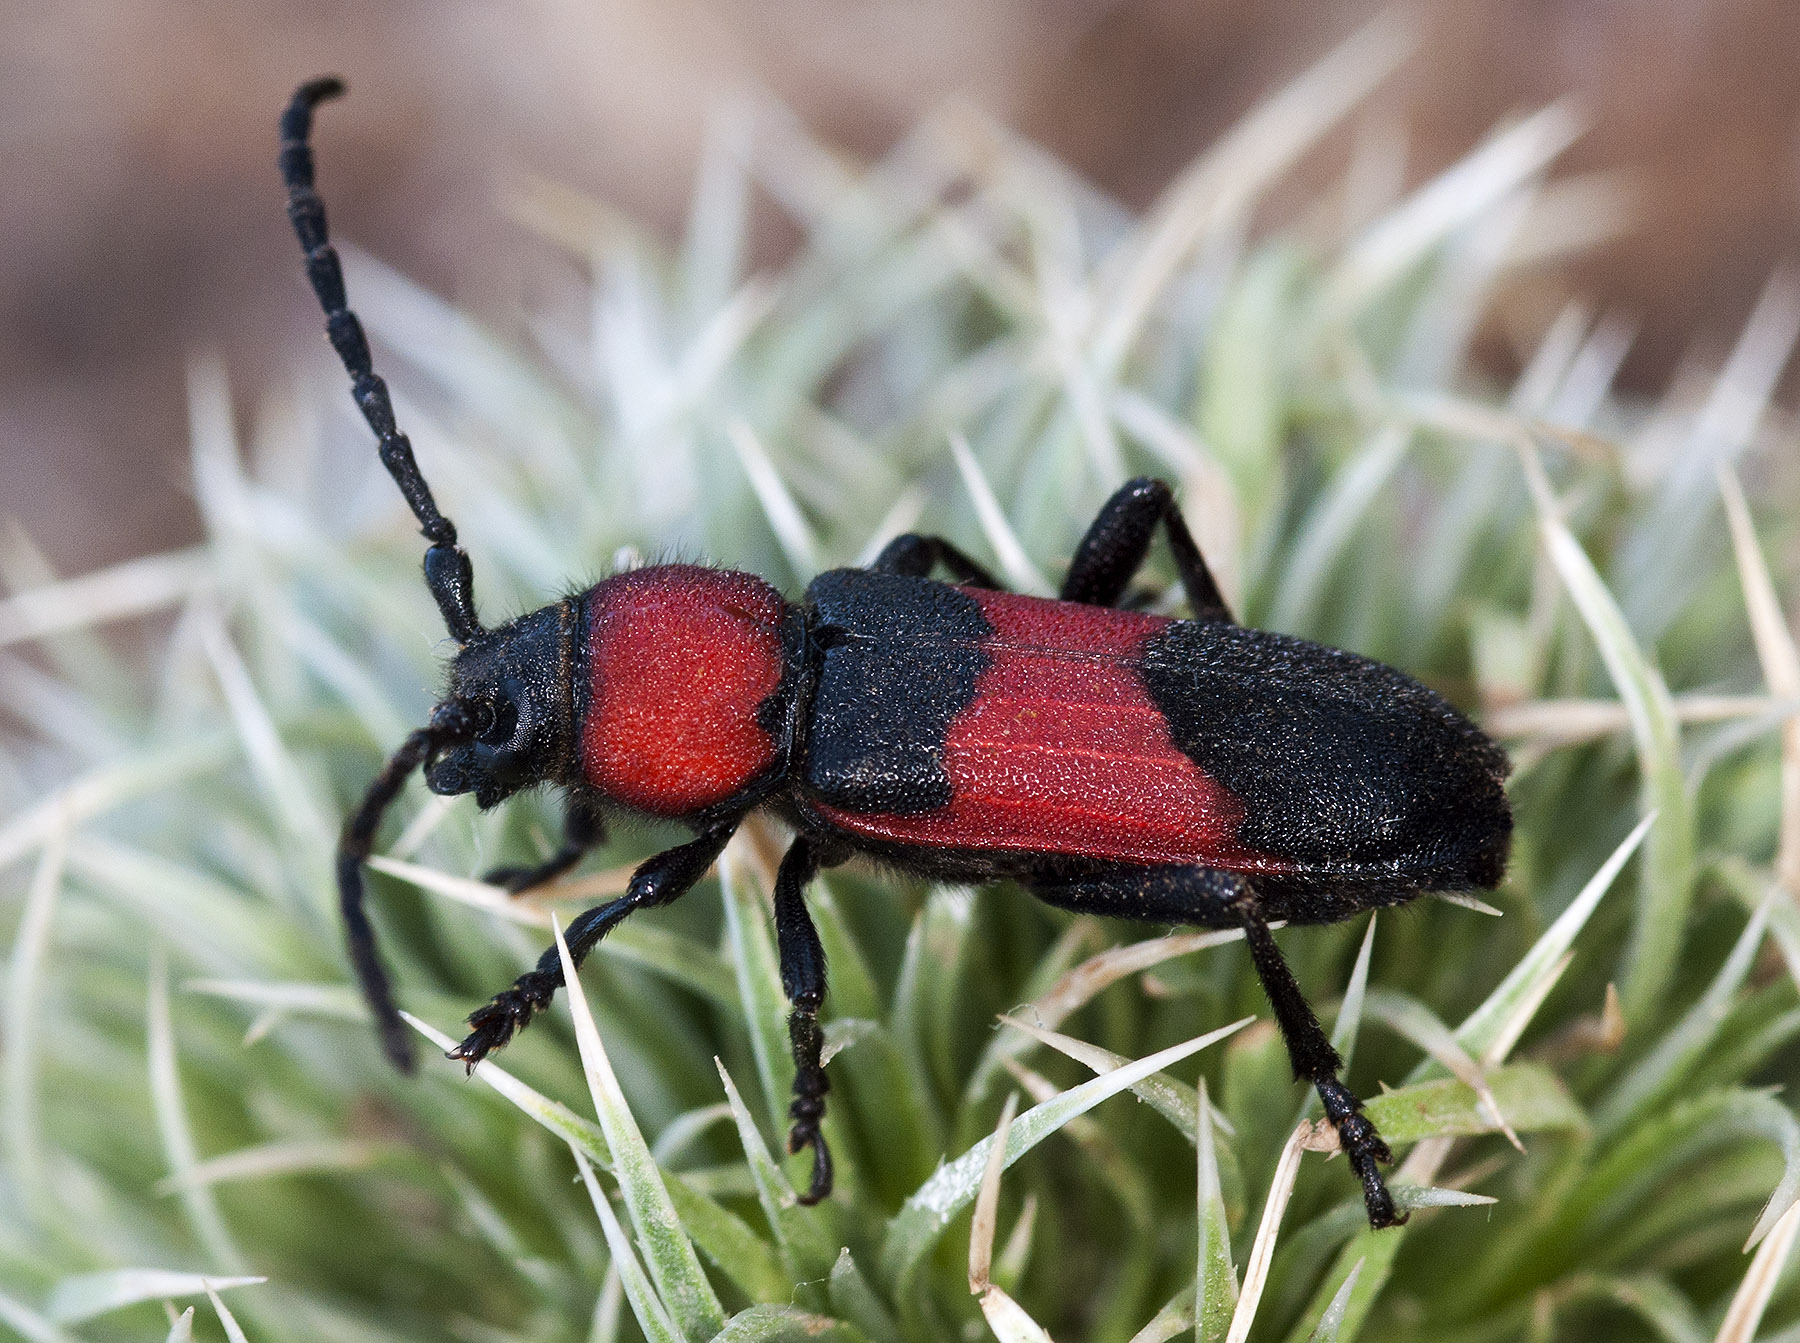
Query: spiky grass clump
point(971, 340)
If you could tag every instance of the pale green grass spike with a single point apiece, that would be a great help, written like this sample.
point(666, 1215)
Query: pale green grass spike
point(919, 1223)
point(1215, 1281)
point(681, 1284)
point(172, 1124)
point(88, 1295)
point(1665, 888)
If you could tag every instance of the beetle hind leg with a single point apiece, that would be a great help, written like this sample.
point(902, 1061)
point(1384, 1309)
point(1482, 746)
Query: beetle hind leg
point(1214, 899)
point(1114, 548)
point(1317, 1062)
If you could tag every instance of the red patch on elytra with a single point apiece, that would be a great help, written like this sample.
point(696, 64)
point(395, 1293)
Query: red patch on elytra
point(680, 658)
point(1063, 751)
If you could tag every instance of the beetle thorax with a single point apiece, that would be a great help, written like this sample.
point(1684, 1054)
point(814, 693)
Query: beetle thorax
point(682, 665)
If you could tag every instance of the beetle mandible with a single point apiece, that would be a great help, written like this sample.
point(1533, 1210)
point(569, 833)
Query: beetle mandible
point(1112, 762)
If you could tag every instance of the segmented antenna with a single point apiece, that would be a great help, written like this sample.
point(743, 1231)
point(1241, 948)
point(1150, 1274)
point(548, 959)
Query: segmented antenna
point(448, 573)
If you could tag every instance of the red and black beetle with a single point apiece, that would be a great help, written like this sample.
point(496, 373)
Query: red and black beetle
point(1112, 762)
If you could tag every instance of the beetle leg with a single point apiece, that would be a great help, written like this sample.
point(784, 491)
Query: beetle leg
point(1317, 1062)
point(582, 830)
point(658, 881)
point(1115, 546)
point(916, 556)
point(1214, 899)
point(803, 978)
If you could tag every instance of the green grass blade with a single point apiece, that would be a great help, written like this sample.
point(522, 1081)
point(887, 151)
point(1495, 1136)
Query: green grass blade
point(1491, 1030)
point(761, 997)
point(1331, 1322)
point(1666, 885)
point(28, 1324)
point(1215, 1280)
point(668, 1253)
point(854, 1300)
point(89, 1295)
point(1528, 1094)
point(721, 1235)
point(922, 1220)
point(172, 1124)
point(21, 1063)
point(806, 1253)
point(783, 1324)
point(234, 1332)
point(1663, 1068)
point(1752, 1296)
point(652, 1315)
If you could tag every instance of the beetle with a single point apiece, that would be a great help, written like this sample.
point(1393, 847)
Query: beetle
point(1110, 761)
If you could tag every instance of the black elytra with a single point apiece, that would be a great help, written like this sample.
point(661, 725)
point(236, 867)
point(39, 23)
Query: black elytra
point(1188, 772)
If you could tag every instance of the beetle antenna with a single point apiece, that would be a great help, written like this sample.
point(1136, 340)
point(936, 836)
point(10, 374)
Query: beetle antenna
point(451, 722)
point(448, 573)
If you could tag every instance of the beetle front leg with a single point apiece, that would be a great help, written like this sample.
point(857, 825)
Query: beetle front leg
point(803, 978)
point(1115, 546)
point(659, 880)
point(582, 830)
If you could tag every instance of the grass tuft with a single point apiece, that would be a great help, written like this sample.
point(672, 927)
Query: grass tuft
point(970, 340)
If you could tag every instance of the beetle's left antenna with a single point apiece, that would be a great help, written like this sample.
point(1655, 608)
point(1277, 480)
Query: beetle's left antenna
point(447, 571)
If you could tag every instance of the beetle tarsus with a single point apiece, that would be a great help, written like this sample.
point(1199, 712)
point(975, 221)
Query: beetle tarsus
point(804, 1134)
point(505, 1016)
point(1366, 1149)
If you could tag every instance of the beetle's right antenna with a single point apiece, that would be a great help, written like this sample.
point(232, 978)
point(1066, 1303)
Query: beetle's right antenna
point(447, 571)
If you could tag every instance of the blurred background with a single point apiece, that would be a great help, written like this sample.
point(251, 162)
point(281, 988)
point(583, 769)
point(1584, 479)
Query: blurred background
point(142, 215)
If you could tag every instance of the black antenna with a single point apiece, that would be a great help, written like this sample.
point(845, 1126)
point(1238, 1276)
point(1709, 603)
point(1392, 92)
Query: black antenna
point(448, 574)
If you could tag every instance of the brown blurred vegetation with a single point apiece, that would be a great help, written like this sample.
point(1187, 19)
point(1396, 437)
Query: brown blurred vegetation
point(142, 216)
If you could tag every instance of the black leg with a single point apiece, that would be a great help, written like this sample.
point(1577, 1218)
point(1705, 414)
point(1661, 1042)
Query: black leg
point(916, 556)
point(1115, 546)
point(803, 977)
point(1317, 1062)
point(1225, 899)
point(447, 570)
point(582, 830)
point(660, 880)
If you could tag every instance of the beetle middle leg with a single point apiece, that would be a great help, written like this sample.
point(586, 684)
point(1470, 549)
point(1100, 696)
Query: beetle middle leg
point(658, 881)
point(582, 830)
point(803, 979)
point(1115, 546)
point(1215, 899)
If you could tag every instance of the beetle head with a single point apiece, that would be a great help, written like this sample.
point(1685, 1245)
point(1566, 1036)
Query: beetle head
point(516, 682)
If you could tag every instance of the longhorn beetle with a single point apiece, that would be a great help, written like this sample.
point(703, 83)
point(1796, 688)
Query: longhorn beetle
point(1112, 762)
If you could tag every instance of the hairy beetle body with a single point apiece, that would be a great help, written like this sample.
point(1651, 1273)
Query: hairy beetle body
point(1115, 763)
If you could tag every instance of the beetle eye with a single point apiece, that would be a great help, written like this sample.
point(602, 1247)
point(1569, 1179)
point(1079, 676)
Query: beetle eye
point(503, 720)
